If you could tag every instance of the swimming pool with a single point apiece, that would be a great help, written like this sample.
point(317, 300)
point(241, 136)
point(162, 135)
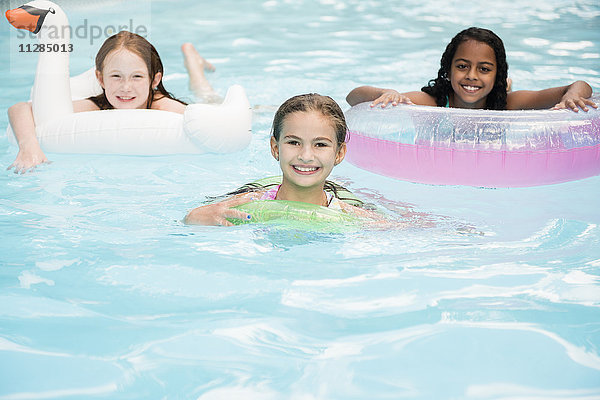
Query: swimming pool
point(104, 293)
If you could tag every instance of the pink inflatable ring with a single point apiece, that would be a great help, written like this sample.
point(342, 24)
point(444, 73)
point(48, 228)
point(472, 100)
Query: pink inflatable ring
point(452, 146)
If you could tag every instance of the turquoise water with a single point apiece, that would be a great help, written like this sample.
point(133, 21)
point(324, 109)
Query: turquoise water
point(487, 294)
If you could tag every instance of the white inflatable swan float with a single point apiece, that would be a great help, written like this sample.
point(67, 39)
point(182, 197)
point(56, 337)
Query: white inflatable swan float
point(203, 128)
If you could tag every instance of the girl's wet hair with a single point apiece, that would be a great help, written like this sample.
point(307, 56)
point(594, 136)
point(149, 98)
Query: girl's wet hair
point(142, 48)
point(312, 102)
point(440, 87)
point(335, 189)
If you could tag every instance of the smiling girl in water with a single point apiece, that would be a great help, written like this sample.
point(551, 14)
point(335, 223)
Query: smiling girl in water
point(130, 72)
point(308, 140)
point(473, 74)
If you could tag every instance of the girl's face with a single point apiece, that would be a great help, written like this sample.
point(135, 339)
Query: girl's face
point(126, 80)
point(307, 149)
point(472, 74)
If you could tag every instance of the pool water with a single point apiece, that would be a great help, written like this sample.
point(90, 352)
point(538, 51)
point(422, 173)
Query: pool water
point(484, 294)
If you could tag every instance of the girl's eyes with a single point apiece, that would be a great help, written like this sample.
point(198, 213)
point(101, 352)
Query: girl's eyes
point(297, 143)
point(117, 76)
point(465, 66)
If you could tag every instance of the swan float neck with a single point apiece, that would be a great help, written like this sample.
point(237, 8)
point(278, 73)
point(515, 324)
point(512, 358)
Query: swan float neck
point(51, 26)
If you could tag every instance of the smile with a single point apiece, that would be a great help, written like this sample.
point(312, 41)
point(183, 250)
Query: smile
point(305, 170)
point(125, 98)
point(470, 89)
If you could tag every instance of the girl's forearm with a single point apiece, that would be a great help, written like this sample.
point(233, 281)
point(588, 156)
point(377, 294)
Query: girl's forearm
point(579, 88)
point(21, 120)
point(30, 153)
point(362, 94)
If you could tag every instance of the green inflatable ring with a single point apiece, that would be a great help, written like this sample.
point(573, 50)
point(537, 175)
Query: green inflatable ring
point(297, 215)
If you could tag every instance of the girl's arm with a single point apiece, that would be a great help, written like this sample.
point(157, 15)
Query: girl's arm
point(377, 220)
point(357, 211)
point(216, 214)
point(369, 217)
point(30, 153)
point(574, 96)
point(386, 96)
point(21, 120)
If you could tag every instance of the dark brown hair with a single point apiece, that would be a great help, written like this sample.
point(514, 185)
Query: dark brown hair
point(312, 102)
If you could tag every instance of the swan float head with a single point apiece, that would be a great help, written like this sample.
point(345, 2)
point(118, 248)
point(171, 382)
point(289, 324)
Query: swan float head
point(43, 18)
point(28, 17)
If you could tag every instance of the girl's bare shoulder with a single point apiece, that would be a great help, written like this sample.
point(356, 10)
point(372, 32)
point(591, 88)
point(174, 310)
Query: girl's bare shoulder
point(166, 104)
point(84, 105)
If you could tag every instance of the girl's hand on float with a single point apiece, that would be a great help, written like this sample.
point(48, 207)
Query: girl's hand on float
point(27, 159)
point(216, 214)
point(574, 103)
point(391, 96)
